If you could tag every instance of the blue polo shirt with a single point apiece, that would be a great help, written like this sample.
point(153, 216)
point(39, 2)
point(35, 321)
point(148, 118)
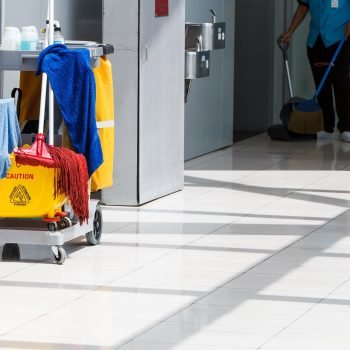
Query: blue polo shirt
point(328, 19)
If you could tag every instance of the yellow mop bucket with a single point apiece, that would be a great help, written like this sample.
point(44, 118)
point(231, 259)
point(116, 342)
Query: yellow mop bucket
point(28, 192)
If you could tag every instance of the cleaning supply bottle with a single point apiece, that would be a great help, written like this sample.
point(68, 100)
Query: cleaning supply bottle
point(42, 38)
point(11, 39)
point(29, 38)
point(58, 38)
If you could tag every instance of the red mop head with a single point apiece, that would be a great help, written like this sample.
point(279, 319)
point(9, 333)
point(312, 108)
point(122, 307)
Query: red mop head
point(71, 172)
point(37, 155)
point(72, 179)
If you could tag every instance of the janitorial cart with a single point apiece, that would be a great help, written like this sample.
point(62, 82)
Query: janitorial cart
point(32, 210)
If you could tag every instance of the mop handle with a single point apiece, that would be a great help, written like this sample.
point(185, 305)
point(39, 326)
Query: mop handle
point(44, 80)
point(49, 38)
point(330, 66)
point(51, 95)
point(284, 48)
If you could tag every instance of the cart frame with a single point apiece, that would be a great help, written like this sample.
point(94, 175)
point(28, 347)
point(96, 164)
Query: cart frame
point(26, 231)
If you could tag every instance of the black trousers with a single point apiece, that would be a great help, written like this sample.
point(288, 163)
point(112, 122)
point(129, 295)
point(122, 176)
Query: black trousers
point(337, 83)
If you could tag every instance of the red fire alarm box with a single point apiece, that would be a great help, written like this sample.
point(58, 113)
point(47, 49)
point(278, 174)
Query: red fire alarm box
point(162, 8)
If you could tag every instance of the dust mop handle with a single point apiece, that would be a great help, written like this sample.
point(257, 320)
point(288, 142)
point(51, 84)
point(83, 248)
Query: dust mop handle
point(289, 79)
point(330, 67)
point(284, 48)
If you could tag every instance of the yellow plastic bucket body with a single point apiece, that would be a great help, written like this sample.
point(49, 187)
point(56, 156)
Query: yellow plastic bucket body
point(28, 192)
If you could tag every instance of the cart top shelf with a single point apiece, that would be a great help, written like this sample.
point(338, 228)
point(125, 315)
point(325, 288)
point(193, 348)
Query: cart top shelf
point(26, 60)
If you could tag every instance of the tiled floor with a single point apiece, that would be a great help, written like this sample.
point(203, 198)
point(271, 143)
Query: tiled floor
point(253, 254)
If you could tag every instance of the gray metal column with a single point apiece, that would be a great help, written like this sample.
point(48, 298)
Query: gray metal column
point(149, 93)
point(161, 128)
point(121, 28)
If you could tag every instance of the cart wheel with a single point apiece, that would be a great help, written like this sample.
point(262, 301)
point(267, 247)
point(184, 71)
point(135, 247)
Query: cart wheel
point(52, 226)
point(94, 237)
point(60, 258)
point(64, 223)
point(11, 252)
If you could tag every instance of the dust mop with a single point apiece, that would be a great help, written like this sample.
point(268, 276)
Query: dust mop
point(307, 117)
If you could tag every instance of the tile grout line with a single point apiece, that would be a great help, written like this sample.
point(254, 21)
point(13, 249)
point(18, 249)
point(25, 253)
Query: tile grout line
point(304, 313)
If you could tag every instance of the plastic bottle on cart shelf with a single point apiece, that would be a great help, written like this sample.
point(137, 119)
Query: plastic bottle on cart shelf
point(58, 38)
point(12, 38)
point(42, 38)
point(29, 38)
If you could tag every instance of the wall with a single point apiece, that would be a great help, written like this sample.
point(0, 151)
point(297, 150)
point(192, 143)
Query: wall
point(259, 60)
point(80, 20)
point(209, 111)
point(255, 40)
point(279, 90)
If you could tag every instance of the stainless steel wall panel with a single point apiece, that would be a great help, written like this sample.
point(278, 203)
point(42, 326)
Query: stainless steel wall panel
point(162, 43)
point(120, 28)
point(209, 111)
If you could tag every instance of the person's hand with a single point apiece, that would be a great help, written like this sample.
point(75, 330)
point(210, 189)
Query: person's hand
point(347, 30)
point(287, 37)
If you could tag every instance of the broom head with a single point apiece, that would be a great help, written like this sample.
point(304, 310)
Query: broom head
point(36, 155)
point(307, 118)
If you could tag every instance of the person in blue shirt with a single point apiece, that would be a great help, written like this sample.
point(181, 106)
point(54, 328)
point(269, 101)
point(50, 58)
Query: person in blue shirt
point(330, 21)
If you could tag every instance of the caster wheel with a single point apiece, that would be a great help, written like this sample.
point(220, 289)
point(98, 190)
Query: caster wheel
point(64, 223)
point(61, 256)
point(94, 237)
point(11, 252)
point(52, 226)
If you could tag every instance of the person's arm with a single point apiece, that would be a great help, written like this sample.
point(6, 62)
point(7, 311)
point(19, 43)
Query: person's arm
point(298, 17)
point(347, 30)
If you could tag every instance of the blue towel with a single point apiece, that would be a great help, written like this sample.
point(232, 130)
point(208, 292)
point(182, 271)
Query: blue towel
point(73, 83)
point(10, 135)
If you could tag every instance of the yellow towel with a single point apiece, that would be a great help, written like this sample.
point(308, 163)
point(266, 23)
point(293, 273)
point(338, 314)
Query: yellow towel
point(30, 84)
point(30, 107)
point(103, 177)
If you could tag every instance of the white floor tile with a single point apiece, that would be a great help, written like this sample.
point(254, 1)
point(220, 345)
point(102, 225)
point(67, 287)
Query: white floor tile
point(162, 346)
point(179, 280)
point(192, 334)
point(306, 339)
